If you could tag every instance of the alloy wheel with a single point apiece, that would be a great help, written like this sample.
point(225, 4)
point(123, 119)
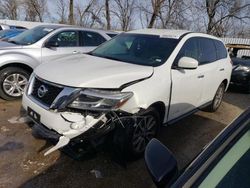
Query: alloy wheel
point(144, 131)
point(14, 84)
point(218, 97)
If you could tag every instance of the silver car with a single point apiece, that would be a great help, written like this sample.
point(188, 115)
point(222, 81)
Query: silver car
point(21, 54)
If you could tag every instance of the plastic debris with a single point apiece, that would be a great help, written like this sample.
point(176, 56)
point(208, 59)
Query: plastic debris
point(97, 173)
point(18, 119)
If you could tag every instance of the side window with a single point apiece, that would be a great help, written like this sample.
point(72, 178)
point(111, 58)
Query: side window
point(66, 39)
point(220, 50)
point(92, 38)
point(207, 51)
point(1, 28)
point(189, 49)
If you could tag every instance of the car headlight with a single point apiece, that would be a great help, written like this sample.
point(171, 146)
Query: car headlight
point(102, 100)
point(243, 68)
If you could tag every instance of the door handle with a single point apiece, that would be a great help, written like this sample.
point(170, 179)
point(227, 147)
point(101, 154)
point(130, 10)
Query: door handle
point(222, 69)
point(75, 52)
point(201, 76)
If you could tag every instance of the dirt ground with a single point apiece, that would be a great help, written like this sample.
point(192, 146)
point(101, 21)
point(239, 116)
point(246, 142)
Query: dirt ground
point(22, 162)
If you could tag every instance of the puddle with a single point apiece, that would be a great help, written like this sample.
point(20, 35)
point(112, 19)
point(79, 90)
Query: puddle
point(9, 146)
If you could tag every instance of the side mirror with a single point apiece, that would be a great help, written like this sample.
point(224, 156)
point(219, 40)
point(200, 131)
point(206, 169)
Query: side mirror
point(188, 63)
point(160, 163)
point(51, 44)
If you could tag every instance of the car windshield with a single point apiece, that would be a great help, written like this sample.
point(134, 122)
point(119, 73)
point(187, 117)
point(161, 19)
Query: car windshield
point(149, 50)
point(233, 169)
point(31, 36)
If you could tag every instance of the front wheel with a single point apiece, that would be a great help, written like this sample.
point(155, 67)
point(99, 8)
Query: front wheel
point(136, 132)
point(12, 82)
point(217, 99)
point(247, 89)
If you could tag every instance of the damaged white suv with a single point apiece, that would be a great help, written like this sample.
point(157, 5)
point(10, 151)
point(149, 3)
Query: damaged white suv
point(129, 86)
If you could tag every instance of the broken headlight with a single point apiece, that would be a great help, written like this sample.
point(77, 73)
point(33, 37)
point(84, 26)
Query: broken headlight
point(102, 100)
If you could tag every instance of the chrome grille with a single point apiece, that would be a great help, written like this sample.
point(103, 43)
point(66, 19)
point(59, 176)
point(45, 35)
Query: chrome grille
point(51, 94)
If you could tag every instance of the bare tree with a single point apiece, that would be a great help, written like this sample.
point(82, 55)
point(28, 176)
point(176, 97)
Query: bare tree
point(96, 17)
point(71, 12)
point(221, 12)
point(83, 12)
point(62, 11)
point(88, 14)
point(156, 5)
point(9, 9)
point(124, 10)
point(173, 14)
point(35, 9)
point(107, 15)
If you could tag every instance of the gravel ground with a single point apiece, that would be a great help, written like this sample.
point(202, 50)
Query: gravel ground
point(22, 162)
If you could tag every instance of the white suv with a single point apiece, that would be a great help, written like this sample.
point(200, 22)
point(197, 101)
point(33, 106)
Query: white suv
point(132, 85)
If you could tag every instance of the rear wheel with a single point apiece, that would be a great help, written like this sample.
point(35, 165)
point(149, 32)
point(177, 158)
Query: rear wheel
point(12, 82)
point(217, 99)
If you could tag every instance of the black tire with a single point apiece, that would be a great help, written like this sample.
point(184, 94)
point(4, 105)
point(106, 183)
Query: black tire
point(217, 99)
point(126, 137)
point(6, 75)
point(247, 90)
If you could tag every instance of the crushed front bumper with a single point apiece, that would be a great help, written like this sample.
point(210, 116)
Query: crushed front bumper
point(65, 127)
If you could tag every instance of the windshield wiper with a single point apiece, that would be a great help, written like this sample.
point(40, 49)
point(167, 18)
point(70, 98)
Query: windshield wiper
point(104, 56)
point(89, 53)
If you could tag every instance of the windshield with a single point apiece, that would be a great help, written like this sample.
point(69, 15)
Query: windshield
point(149, 50)
point(31, 36)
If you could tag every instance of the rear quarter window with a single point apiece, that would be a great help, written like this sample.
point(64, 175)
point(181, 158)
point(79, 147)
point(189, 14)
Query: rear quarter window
point(92, 38)
point(220, 50)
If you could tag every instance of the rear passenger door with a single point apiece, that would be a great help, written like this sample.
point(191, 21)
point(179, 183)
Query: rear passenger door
point(68, 44)
point(187, 84)
point(210, 67)
point(90, 40)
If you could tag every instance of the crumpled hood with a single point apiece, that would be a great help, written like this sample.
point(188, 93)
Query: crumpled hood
point(89, 71)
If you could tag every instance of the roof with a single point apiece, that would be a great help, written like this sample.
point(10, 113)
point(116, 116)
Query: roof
point(162, 32)
point(52, 26)
point(76, 27)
